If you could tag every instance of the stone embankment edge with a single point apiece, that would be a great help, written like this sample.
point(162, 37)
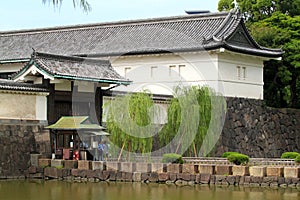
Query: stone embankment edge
point(179, 174)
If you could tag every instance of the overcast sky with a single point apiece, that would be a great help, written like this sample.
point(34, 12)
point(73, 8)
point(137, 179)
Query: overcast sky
point(26, 14)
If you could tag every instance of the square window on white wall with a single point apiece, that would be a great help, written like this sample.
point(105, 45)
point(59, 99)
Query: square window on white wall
point(153, 70)
point(172, 70)
point(126, 70)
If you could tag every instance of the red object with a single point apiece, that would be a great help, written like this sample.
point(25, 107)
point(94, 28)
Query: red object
point(76, 155)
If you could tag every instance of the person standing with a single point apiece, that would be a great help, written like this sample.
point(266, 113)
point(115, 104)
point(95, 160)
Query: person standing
point(100, 150)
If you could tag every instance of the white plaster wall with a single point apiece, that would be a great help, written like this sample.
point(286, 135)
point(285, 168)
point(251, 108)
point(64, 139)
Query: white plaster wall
point(17, 106)
point(153, 72)
point(250, 86)
point(64, 85)
point(215, 69)
point(41, 108)
point(84, 86)
point(23, 106)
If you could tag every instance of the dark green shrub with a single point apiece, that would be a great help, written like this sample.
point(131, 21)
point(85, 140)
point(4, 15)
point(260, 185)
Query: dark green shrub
point(172, 158)
point(289, 155)
point(238, 158)
point(297, 159)
point(226, 154)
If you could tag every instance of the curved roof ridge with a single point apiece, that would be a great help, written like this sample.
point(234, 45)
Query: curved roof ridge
point(112, 24)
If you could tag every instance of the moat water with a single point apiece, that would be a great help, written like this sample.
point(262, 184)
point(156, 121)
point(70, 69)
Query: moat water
point(59, 190)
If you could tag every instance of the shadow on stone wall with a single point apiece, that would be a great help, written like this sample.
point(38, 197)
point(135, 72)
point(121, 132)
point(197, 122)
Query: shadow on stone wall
point(19, 138)
point(257, 130)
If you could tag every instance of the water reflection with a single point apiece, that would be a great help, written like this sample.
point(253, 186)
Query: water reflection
point(58, 190)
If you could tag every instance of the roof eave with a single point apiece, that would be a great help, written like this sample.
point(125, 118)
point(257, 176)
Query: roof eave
point(92, 79)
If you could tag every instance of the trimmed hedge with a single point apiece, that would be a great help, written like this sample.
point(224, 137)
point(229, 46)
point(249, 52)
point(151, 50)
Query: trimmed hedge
point(238, 158)
point(297, 159)
point(289, 155)
point(172, 158)
point(226, 154)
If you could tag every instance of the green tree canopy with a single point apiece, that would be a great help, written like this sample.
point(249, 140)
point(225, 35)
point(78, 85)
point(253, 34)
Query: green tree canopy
point(260, 9)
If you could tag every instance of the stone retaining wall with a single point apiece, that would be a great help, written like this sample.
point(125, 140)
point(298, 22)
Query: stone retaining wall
point(18, 139)
point(253, 129)
point(179, 174)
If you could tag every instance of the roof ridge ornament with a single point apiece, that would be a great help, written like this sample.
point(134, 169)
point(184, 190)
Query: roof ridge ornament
point(34, 53)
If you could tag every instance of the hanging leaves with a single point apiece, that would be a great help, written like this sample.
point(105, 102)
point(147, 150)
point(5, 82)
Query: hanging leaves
point(130, 123)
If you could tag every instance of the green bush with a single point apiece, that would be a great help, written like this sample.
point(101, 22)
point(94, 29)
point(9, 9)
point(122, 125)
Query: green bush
point(238, 158)
point(226, 154)
point(289, 155)
point(172, 158)
point(297, 159)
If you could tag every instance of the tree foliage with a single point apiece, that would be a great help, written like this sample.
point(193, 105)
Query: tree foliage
point(128, 122)
point(199, 111)
point(83, 4)
point(275, 24)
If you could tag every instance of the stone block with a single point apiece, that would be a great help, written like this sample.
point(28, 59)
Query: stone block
point(79, 173)
point(113, 166)
point(98, 165)
point(52, 172)
point(98, 174)
point(189, 168)
point(270, 180)
point(84, 164)
point(57, 163)
point(153, 177)
point(44, 162)
point(172, 177)
point(71, 164)
point(145, 176)
point(91, 174)
point(119, 176)
point(127, 176)
point(223, 170)
point(256, 179)
point(36, 176)
point(205, 178)
point(240, 170)
point(174, 168)
point(34, 159)
point(158, 167)
point(163, 177)
point(110, 175)
point(258, 171)
point(184, 176)
point(143, 167)
point(127, 167)
point(231, 180)
point(275, 171)
point(291, 172)
point(137, 177)
point(207, 169)
point(32, 169)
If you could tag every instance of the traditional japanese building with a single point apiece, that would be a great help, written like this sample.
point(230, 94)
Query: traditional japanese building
point(73, 67)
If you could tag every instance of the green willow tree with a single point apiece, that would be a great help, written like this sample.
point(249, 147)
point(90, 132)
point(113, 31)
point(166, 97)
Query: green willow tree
point(196, 101)
point(129, 122)
point(275, 23)
point(83, 4)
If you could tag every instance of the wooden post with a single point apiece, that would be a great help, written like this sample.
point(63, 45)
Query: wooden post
point(99, 104)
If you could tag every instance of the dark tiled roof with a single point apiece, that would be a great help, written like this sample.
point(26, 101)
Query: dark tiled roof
point(172, 34)
point(11, 85)
point(74, 68)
